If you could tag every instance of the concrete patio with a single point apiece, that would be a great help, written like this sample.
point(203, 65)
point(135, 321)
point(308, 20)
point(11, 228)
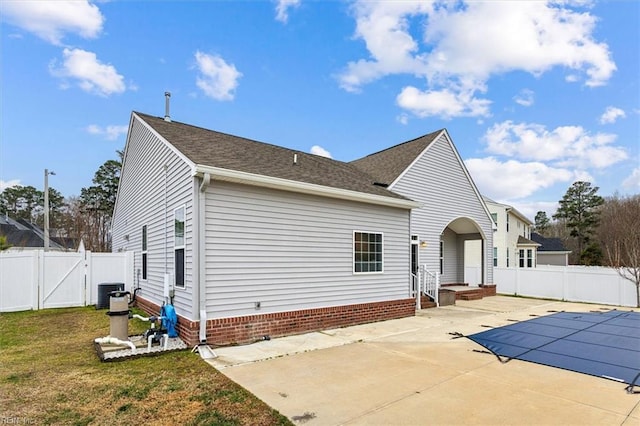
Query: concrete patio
point(414, 371)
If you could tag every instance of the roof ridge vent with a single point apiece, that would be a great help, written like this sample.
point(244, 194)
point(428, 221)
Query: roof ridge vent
point(167, 96)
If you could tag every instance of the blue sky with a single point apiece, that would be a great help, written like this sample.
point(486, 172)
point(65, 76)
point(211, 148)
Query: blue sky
point(535, 95)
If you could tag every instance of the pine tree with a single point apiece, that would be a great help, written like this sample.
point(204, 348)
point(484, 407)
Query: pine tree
point(579, 211)
point(542, 223)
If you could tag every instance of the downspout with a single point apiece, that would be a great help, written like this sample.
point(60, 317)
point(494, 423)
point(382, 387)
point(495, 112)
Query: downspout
point(202, 277)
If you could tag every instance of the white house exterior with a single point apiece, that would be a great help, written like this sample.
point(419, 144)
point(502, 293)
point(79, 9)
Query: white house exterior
point(248, 239)
point(429, 170)
point(512, 244)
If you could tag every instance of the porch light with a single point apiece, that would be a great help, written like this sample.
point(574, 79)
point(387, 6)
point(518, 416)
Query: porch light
point(423, 244)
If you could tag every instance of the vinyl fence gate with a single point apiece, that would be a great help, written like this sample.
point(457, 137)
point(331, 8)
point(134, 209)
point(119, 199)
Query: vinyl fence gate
point(31, 280)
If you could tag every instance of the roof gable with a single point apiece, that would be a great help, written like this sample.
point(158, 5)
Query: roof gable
point(387, 165)
point(220, 150)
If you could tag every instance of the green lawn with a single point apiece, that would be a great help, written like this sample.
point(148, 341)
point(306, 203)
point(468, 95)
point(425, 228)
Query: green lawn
point(50, 374)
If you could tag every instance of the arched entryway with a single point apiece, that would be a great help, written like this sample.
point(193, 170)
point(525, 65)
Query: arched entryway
point(462, 253)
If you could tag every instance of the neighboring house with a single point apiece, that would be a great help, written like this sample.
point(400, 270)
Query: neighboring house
point(250, 239)
point(512, 244)
point(551, 251)
point(24, 235)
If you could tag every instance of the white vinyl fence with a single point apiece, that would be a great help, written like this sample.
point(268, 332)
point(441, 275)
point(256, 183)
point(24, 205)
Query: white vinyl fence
point(37, 279)
point(589, 284)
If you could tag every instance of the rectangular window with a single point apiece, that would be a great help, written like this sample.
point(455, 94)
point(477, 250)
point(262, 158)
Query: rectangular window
point(178, 245)
point(494, 216)
point(144, 252)
point(507, 222)
point(521, 258)
point(367, 252)
point(441, 257)
point(495, 256)
point(507, 258)
point(529, 258)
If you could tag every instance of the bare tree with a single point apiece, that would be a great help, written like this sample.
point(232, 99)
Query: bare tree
point(619, 235)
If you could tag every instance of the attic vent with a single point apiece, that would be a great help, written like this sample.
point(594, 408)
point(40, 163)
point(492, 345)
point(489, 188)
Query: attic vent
point(384, 185)
point(167, 96)
point(295, 159)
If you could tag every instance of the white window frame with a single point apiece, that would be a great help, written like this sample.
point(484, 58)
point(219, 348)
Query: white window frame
point(441, 256)
point(177, 247)
point(353, 251)
point(145, 256)
point(495, 256)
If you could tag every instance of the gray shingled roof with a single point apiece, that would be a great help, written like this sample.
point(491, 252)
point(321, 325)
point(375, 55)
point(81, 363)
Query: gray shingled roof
point(548, 244)
point(20, 233)
point(525, 241)
point(385, 166)
point(210, 148)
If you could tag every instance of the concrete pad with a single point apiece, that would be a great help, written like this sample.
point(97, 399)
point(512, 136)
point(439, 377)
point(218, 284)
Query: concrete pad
point(415, 371)
point(267, 349)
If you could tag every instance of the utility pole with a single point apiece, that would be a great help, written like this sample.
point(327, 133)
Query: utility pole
point(46, 208)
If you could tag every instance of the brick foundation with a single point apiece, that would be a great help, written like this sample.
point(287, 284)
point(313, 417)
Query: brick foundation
point(488, 289)
point(228, 331)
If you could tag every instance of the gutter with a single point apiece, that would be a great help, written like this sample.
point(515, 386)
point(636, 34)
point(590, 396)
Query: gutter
point(227, 175)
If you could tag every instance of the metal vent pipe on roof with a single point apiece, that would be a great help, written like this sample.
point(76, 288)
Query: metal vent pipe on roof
point(167, 96)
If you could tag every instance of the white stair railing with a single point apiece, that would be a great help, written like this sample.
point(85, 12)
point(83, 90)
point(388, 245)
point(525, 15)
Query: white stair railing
point(429, 283)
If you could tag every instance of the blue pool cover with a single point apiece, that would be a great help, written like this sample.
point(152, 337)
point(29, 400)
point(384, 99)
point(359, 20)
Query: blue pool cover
point(603, 344)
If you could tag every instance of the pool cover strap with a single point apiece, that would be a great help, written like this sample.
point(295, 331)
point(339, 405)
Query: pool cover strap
point(603, 344)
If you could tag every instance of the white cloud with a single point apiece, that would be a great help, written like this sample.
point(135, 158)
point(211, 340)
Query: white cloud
point(513, 179)
point(632, 182)
point(501, 37)
point(611, 114)
point(111, 132)
point(92, 75)
point(51, 20)
point(531, 208)
point(217, 79)
point(565, 146)
point(282, 9)
point(4, 184)
point(403, 118)
point(525, 98)
point(318, 150)
point(444, 103)
point(384, 28)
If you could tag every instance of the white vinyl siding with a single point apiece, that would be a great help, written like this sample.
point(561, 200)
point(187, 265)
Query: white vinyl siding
point(438, 180)
point(142, 200)
point(292, 251)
